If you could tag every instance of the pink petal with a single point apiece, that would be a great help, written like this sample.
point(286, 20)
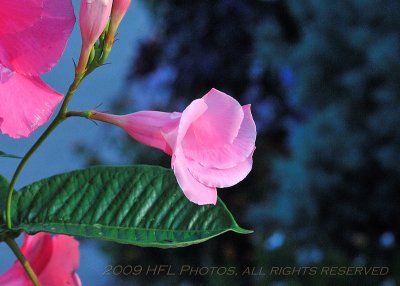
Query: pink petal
point(220, 178)
point(170, 131)
point(216, 126)
point(37, 48)
point(195, 191)
point(221, 122)
point(227, 155)
point(151, 127)
point(37, 249)
point(195, 110)
point(26, 103)
point(18, 15)
point(61, 267)
point(16, 276)
point(54, 260)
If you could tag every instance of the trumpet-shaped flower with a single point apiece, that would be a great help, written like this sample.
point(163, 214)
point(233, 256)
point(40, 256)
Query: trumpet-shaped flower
point(33, 35)
point(211, 142)
point(53, 259)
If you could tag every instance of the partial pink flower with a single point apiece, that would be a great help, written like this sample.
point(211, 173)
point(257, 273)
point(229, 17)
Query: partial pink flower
point(33, 36)
point(211, 142)
point(54, 259)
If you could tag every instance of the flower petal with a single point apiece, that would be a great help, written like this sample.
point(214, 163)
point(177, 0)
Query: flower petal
point(37, 249)
point(170, 131)
point(54, 260)
point(18, 15)
point(189, 115)
point(26, 103)
point(221, 122)
point(195, 191)
point(61, 267)
point(15, 276)
point(227, 155)
point(220, 178)
point(217, 126)
point(37, 48)
point(151, 127)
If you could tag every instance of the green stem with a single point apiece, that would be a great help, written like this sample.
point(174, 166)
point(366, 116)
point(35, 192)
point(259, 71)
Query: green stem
point(83, 59)
point(60, 117)
point(86, 114)
point(14, 247)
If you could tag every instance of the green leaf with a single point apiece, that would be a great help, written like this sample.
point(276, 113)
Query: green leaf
point(3, 201)
point(140, 205)
point(2, 154)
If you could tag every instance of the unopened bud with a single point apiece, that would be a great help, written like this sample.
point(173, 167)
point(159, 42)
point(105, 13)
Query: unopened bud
point(118, 12)
point(93, 18)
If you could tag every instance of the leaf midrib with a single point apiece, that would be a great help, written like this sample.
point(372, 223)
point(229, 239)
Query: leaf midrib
point(20, 226)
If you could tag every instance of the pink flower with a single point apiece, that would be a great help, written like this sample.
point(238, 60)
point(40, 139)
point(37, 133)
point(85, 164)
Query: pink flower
point(53, 259)
point(211, 142)
point(33, 35)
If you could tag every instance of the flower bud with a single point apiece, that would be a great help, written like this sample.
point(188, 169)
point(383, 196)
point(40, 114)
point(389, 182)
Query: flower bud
point(93, 18)
point(118, 11)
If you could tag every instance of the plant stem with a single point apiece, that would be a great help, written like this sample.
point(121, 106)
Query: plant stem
point(25, 263)
point(60, 117)
point(86, 114)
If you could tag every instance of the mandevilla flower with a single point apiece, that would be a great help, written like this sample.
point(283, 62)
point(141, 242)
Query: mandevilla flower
point(33, 35)
point(53, 259)
point(93, 18)
point(211, 142)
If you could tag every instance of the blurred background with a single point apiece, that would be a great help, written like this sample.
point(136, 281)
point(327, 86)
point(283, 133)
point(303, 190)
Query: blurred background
point(323, 80)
